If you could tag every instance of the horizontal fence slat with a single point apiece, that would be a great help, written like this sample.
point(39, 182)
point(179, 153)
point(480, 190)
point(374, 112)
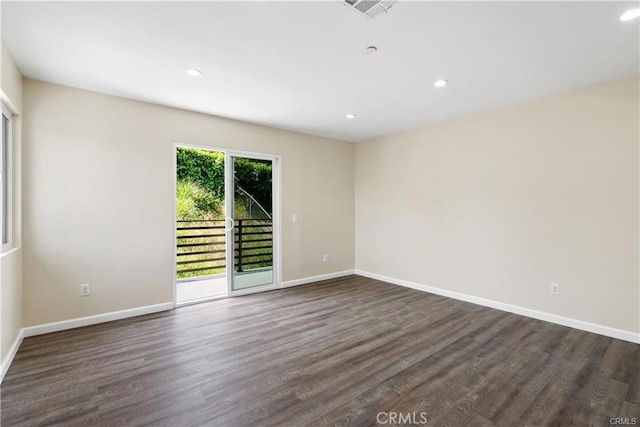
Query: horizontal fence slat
point(253, 256)
point(219, 251)
point(201, 220)
point(190, 245)
point(195, 261)
point(254, 247)
point(223, 220)
point(222, 251)
point(189, 270)
point(254, 233)
point(212, 227)
point(199, 236)
point(255, 240)
point(268, 262)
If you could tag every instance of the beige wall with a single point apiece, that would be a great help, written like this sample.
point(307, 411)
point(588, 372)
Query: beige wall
point(11, 79)
point(98, 198)
point(496, 205)
point(11, 262)
point(499, 205)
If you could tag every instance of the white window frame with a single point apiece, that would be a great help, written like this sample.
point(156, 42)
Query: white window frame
point(7, 175)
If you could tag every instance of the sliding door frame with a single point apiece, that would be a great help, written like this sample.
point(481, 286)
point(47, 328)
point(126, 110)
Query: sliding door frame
point(229, 195)
point(276, 218)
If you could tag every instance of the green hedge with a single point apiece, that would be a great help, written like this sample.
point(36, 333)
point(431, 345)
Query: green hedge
point(207, 169)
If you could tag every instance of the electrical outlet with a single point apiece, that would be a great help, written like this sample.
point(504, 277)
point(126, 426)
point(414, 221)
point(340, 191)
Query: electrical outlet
point(555, 289)
point(294, 218)
point(85, 290)
point(325, 258)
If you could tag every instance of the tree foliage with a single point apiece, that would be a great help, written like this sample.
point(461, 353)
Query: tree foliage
point(196, 202)
point(206, 168)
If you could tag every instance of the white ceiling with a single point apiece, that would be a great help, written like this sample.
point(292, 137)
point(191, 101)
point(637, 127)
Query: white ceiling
point(301, 66)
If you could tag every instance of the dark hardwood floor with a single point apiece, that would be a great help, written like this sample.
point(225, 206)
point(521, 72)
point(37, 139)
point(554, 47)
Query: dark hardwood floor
point(337, 352)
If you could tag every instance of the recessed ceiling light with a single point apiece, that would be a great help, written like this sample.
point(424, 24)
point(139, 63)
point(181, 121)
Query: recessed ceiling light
point(630, 14)
point(441, 83)
point(370, 50)
point(193, 72)
point(351, 116)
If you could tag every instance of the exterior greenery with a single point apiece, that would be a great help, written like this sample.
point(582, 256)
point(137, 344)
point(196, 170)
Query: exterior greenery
point(196, 202)
point(200, 211)
point(206, 169)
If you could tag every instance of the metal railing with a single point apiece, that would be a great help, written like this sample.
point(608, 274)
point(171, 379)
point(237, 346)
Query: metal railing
point(201, 246)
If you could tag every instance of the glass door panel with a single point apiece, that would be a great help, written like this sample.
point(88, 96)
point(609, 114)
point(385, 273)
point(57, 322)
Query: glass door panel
point(250, 222)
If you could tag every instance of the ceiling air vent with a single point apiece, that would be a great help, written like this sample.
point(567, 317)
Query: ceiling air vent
point(370, 8)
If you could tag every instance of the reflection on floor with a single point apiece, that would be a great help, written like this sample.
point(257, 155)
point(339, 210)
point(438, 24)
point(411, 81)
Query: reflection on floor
point(217, 286)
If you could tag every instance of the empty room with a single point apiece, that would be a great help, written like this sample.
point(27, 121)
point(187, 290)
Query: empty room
point(320, 213)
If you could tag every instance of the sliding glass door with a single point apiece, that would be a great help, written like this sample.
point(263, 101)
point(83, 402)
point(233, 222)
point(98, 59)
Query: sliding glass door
point(250, 202)
point(226, 232)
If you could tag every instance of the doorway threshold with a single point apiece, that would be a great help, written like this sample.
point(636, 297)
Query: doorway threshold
point(199, 290)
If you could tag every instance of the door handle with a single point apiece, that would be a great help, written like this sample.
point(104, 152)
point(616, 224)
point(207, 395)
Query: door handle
point(226, 230)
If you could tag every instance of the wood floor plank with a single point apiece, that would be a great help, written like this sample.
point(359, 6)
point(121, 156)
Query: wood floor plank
point(333, 353)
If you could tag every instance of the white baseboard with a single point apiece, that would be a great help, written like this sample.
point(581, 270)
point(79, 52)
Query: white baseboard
point(306, 280)
point(92, 320)
point(540, 315)
point(12, 353)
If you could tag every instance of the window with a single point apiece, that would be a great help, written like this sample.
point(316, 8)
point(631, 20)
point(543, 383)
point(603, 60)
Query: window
point(5, 179)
